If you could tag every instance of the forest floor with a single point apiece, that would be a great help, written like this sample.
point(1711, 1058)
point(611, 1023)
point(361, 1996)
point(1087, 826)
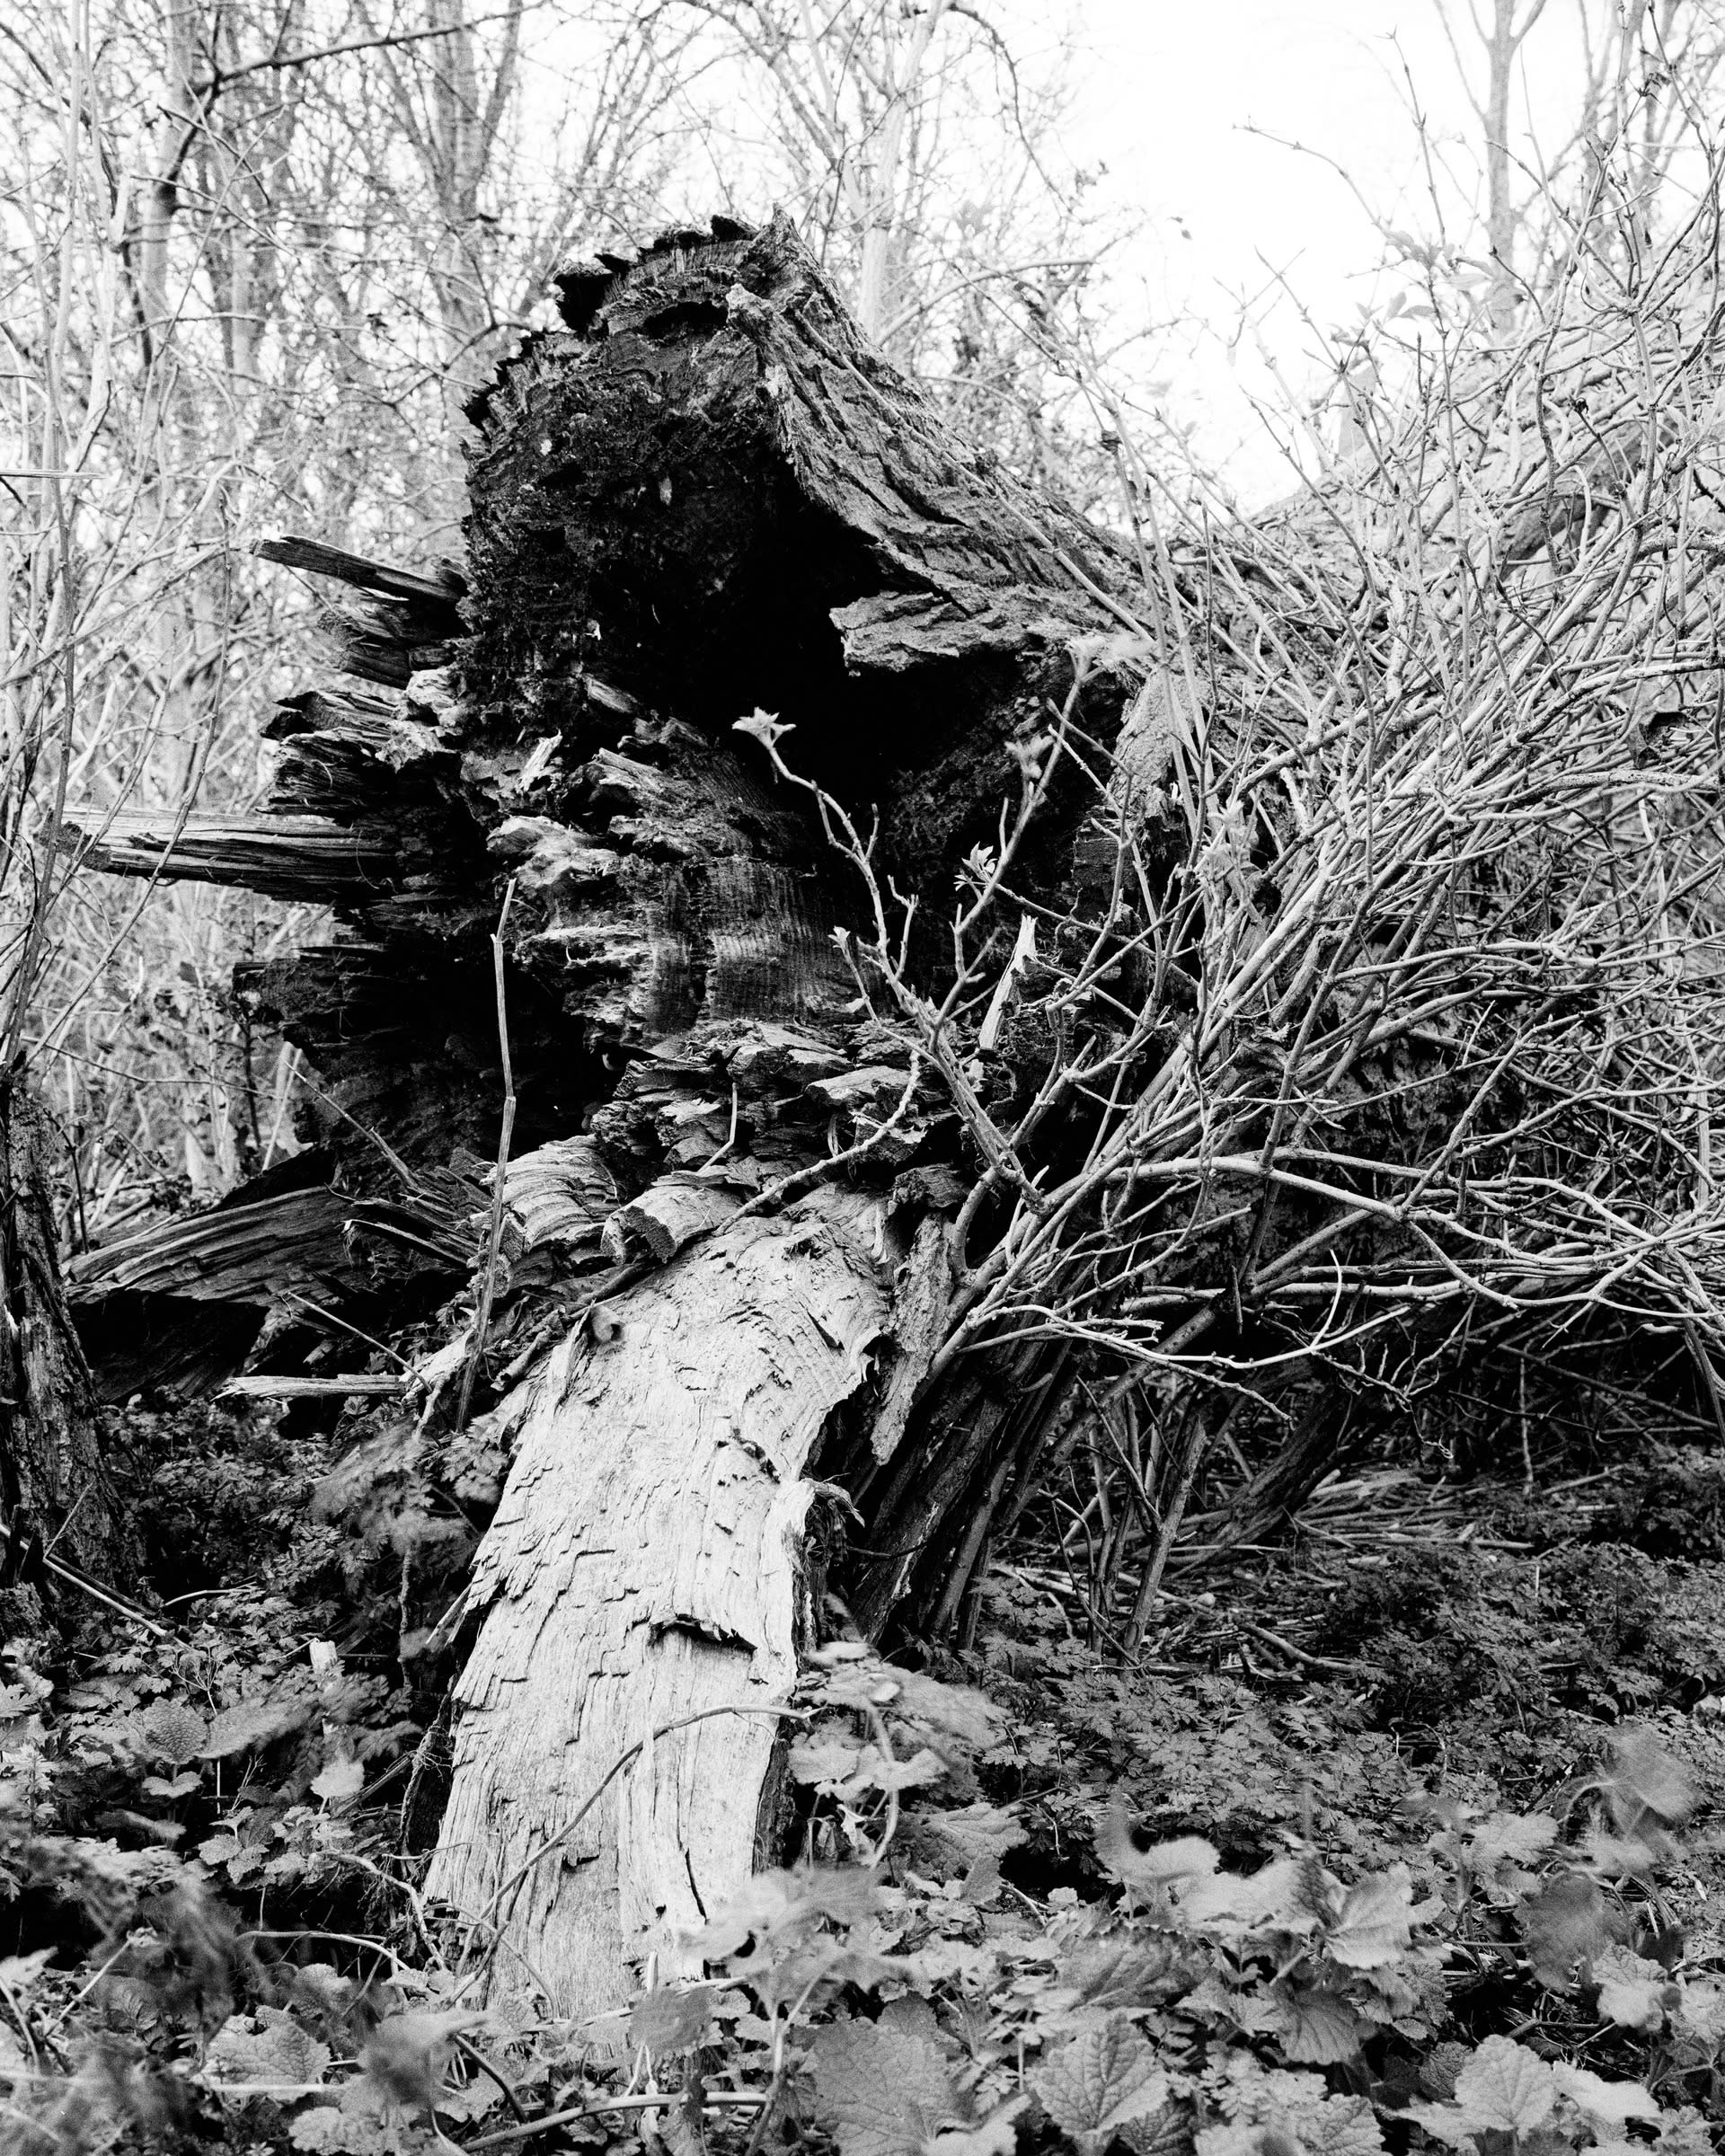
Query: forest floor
point(1410, 1639)
point(1408, 1635)
point(1382, 1824)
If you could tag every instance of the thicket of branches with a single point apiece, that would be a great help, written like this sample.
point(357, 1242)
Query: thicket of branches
point(1368, 1079)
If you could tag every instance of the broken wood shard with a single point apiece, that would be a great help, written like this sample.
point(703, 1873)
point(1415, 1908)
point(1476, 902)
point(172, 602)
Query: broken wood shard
point(295, 552)
point(670, 1215)
point(293, 1243)
point(359, 1385)
point(560, 1193)
point(294, 857)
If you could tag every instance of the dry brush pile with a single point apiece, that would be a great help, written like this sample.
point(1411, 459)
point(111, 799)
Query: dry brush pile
point(1388, 1022)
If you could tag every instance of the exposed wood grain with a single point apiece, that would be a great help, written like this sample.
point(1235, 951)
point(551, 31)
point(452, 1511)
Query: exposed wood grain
point(671, 1214)
point(290, 1243)
point(310, 555)
point(380, 1385)
point(560, 1193)
point(644, 1565)
point(302, 857)
point(923, 1294)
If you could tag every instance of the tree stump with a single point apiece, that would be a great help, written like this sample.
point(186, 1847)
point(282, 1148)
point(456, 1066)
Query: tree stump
point(703, 499)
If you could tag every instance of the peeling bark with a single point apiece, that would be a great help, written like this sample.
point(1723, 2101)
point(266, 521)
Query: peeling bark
point(646, 1566)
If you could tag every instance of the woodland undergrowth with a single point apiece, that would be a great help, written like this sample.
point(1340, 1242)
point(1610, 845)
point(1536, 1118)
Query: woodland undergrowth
point(1396, 1847)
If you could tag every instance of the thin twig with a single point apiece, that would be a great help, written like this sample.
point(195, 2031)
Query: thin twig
point(500, 1183)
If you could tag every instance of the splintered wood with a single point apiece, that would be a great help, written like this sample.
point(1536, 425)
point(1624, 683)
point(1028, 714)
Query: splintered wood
point(644, 1566)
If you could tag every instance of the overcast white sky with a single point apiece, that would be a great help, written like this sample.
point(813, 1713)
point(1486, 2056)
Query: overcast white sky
point(1195, 106)
point(1171, 93)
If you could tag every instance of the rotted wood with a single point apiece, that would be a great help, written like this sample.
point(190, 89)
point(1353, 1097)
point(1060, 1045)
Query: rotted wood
point(703, 497)
point(294, 857)
point(645, 1567)
point(178, 1305)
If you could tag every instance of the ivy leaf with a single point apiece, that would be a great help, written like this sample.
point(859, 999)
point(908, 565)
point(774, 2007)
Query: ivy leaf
point(884, 2093)
point(172, 1731)
point(340, 1781)
point(1612, 2101)
point(1373, 1927)
point(1507, 2086)
point(1099, 2081)
point(1631, 1991)
point(669, 2021)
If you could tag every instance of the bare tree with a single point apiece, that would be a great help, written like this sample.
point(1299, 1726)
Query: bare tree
point(277, 328)
point(1645, 73)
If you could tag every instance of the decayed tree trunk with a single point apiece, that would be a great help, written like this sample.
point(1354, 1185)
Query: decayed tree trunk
point(645, 1568)
point(702, 499)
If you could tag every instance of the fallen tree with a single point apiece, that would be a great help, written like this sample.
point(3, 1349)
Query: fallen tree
point(1322, 1035)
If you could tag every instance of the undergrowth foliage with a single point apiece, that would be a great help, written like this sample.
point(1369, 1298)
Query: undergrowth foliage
point(216, 1945)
